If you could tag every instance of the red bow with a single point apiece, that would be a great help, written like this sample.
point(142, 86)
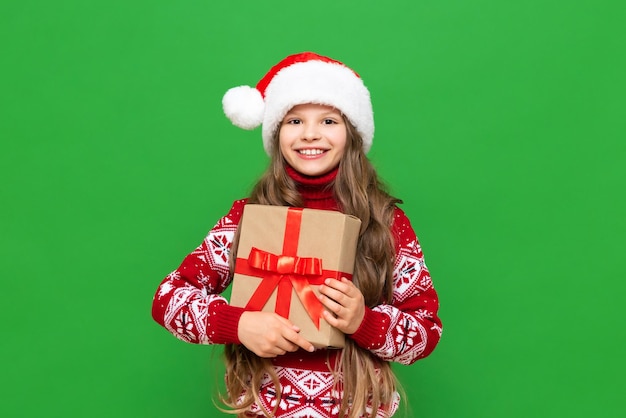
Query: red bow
point(286, 273)
point(284, 264)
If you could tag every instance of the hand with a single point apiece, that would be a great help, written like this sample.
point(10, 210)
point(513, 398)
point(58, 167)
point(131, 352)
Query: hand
point(268, 334)
point(346, 301)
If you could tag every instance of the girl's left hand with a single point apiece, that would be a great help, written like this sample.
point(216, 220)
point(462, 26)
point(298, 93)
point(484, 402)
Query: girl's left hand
point(347, 303)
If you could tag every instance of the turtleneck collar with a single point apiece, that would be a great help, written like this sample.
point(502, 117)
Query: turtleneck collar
point(317, 191)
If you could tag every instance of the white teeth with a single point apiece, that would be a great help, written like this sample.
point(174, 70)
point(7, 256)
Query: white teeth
point(310, 151)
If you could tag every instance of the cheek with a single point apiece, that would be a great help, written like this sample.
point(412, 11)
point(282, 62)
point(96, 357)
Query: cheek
point(341, 153)
point(342, 144)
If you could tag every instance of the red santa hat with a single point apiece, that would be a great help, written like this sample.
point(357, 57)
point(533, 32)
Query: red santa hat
point(298, 79)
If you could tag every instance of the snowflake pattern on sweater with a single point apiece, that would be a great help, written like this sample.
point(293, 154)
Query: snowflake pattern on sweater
point(190, 296)
point(309, 394)
point(410, 327)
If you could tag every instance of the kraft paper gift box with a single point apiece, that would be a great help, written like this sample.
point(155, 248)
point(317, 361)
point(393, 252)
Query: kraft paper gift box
point(284, 254)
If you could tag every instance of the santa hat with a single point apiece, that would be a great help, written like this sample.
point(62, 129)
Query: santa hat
point(298, 79)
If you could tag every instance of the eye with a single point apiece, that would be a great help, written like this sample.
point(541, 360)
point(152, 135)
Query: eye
point(329, 121)
point(293, 121)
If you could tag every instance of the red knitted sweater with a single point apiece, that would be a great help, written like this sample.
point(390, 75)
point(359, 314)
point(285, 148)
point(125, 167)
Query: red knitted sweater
point(189, 305)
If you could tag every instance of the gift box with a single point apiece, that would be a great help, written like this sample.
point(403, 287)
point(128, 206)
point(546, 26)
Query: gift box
point(284, 254)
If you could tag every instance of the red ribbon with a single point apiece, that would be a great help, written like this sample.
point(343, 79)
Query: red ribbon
point(285, 272)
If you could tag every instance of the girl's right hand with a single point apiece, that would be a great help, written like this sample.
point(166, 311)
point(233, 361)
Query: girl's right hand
point(268, 334)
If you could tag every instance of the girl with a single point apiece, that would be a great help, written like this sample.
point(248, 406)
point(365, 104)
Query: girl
point(317, 128)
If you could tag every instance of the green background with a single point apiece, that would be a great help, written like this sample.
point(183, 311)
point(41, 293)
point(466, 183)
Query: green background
point(500, 124)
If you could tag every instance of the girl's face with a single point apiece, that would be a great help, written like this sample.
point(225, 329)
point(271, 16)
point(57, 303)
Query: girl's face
point(312, 138)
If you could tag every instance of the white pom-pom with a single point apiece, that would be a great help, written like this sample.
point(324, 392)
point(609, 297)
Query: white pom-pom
point(244, 106)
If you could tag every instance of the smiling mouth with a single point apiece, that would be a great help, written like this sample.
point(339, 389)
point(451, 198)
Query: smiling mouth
point(311, 151)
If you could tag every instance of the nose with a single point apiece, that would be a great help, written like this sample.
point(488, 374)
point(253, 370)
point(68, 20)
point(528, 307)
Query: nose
point(311, 132)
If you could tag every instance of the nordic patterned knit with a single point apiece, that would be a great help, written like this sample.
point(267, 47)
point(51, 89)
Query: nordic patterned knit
point(189, 305)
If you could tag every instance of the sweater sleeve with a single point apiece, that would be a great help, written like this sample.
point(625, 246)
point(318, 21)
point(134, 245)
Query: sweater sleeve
point(408, 328)
point(188, 301)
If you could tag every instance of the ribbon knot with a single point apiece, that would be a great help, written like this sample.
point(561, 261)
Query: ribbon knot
point(284, 264)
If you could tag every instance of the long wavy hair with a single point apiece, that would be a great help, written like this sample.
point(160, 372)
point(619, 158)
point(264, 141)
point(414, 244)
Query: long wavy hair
point(367, 382)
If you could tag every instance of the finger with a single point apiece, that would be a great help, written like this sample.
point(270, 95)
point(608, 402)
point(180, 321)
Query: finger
point(333, 294)
point(348, 283)
point(292, 340)
point(343, 285)
point(285, 345)
point(274, 346)
point(330, 304)
point(344, 288)
point(288, 323)
point(278, 352)
point(299, 341)
point(267, 351)
point(331, 319)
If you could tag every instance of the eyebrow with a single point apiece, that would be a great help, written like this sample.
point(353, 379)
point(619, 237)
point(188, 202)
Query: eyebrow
point(325, 114)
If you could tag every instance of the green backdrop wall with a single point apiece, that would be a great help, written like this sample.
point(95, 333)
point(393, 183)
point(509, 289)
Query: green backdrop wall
point(500, 124)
